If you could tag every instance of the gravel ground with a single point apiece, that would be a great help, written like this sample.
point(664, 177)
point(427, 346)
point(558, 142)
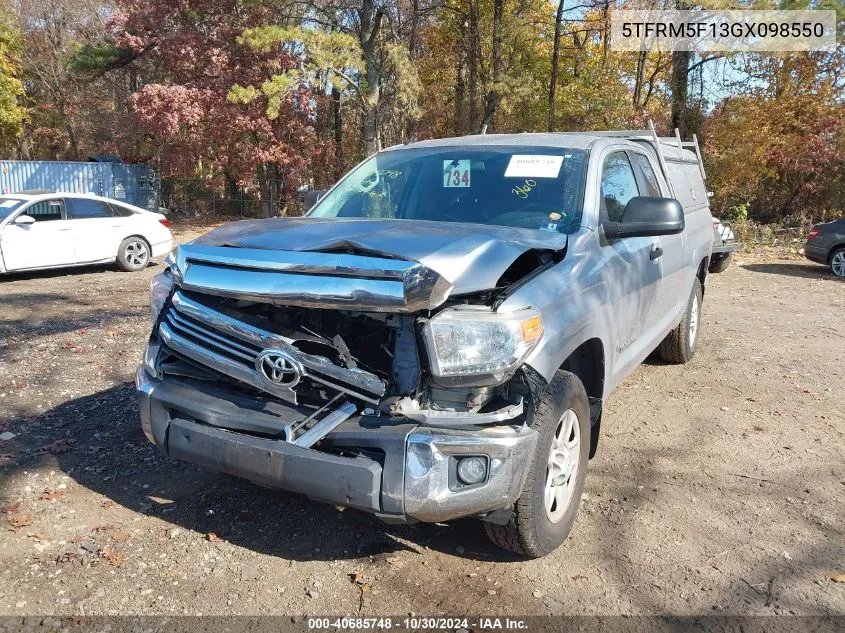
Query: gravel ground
point(718, 486)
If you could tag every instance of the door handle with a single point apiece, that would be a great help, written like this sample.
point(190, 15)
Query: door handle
point(656, 252)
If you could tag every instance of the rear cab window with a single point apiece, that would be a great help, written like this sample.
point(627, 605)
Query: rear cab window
point(648, 177)
point(86, 208)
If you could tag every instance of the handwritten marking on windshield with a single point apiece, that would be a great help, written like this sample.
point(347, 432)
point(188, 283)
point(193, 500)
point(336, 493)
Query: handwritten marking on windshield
point(522, 191)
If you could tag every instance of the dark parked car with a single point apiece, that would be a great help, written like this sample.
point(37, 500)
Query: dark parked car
point(826, 245)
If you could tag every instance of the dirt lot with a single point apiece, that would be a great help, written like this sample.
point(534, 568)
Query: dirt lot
point(718, 486)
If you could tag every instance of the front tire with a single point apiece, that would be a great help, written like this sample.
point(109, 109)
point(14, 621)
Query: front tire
point(133, 254)
point(545, 511)
point(837, 262)
point(679, 345)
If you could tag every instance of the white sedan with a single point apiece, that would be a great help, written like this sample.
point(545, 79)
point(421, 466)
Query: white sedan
point(52, 230)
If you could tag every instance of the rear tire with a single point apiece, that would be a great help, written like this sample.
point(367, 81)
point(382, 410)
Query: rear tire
point(837, 262)
point(133, 254)
point(720, 263)
point(679, 345)
point(545, 511)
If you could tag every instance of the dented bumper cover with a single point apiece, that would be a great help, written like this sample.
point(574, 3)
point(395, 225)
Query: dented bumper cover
point(395, 469)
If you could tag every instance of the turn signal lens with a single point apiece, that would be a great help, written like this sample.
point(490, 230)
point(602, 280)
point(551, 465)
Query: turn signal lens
point(532, 328)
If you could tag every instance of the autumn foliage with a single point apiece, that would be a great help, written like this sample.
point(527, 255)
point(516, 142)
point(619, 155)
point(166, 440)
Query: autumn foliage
point(263, 97)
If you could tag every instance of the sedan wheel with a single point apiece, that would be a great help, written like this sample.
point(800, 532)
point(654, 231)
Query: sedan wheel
point(837, 263)
point(134, 254)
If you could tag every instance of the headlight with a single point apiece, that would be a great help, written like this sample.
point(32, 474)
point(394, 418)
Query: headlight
point(476, 341)
point(160, 288)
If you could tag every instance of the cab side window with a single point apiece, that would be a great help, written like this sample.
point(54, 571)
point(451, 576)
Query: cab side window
point(618, 186)
point(45, 210)
point(649, 178)
point(80, 208)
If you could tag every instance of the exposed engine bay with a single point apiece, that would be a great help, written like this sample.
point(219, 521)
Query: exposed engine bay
point(386, 346)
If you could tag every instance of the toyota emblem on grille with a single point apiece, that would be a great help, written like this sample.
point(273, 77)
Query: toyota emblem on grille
point(278, 368)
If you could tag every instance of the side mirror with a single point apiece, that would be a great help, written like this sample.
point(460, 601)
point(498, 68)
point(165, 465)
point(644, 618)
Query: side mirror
point(24, 219)
point(646, 217)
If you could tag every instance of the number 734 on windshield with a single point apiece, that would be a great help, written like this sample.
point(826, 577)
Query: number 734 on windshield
point(456, 173)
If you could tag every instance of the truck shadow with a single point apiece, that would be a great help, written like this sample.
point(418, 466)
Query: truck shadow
point(808, 271)
point(100, 445)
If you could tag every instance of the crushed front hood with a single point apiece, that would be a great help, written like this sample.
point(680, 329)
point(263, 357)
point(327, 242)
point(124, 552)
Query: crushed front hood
point(470, 257)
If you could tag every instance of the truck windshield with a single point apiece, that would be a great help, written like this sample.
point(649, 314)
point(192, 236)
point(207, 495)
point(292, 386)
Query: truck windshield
point(8, 206)
point(525, 187)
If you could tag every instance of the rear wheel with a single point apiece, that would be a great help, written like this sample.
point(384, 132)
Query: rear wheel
point(679, 344)
point(545, 511)
point(133, 254)
point(837, 262)
point(720, 263)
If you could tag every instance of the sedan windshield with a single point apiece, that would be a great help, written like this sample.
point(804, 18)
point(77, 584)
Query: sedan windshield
point(8, 206)
point(524, 187)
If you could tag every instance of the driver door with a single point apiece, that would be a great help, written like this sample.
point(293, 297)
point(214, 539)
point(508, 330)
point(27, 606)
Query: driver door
point(47, 242)
point(632, 268)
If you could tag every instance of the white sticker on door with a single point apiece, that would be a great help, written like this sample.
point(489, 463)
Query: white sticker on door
point(456, 173)
point(533, 166)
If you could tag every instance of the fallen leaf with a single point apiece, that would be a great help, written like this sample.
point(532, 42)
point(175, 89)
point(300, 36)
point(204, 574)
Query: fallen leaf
point(121, 537)
point(108, 503)
point(837, 577)
point(358, 578)
point(20, 522)
point(106, 527)
point(50, 494)
point(59, 446)
point(212, 536)
point(11, 508)
point(39, 536)
point(67, 557)
point(112, 556)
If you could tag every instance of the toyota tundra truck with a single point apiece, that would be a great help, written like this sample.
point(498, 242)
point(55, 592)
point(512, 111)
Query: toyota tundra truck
point(437, 337)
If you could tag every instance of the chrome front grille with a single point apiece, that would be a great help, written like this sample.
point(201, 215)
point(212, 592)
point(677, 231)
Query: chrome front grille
point(232, 347)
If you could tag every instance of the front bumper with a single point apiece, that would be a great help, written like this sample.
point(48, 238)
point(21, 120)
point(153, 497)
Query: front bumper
point(400, 471)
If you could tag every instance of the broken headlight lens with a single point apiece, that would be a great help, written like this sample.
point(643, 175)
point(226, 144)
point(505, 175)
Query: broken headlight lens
point(160, 288)
point(476, 341)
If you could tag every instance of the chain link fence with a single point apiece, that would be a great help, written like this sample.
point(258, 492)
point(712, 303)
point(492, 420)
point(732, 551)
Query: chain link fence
point(197, 198)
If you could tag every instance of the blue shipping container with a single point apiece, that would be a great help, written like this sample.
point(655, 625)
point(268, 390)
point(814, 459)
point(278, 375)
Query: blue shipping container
point(136, 184)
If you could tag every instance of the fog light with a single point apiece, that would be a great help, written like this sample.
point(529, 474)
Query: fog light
point(472, 470)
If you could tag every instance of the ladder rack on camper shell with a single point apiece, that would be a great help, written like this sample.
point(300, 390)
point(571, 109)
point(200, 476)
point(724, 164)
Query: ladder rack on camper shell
point(650, 136)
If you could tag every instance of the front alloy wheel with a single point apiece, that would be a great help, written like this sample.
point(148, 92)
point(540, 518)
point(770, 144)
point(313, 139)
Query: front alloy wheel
point(545, 511)
point(562, 468)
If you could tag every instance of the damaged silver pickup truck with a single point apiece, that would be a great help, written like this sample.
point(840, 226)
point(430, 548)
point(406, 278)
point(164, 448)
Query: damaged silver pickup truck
point(436, 338)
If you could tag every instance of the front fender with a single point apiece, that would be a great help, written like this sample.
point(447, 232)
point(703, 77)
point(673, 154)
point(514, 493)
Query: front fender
point(571, 296)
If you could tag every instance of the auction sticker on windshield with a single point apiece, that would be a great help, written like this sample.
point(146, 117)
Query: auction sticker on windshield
point(533, 166)
point(456, 173)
